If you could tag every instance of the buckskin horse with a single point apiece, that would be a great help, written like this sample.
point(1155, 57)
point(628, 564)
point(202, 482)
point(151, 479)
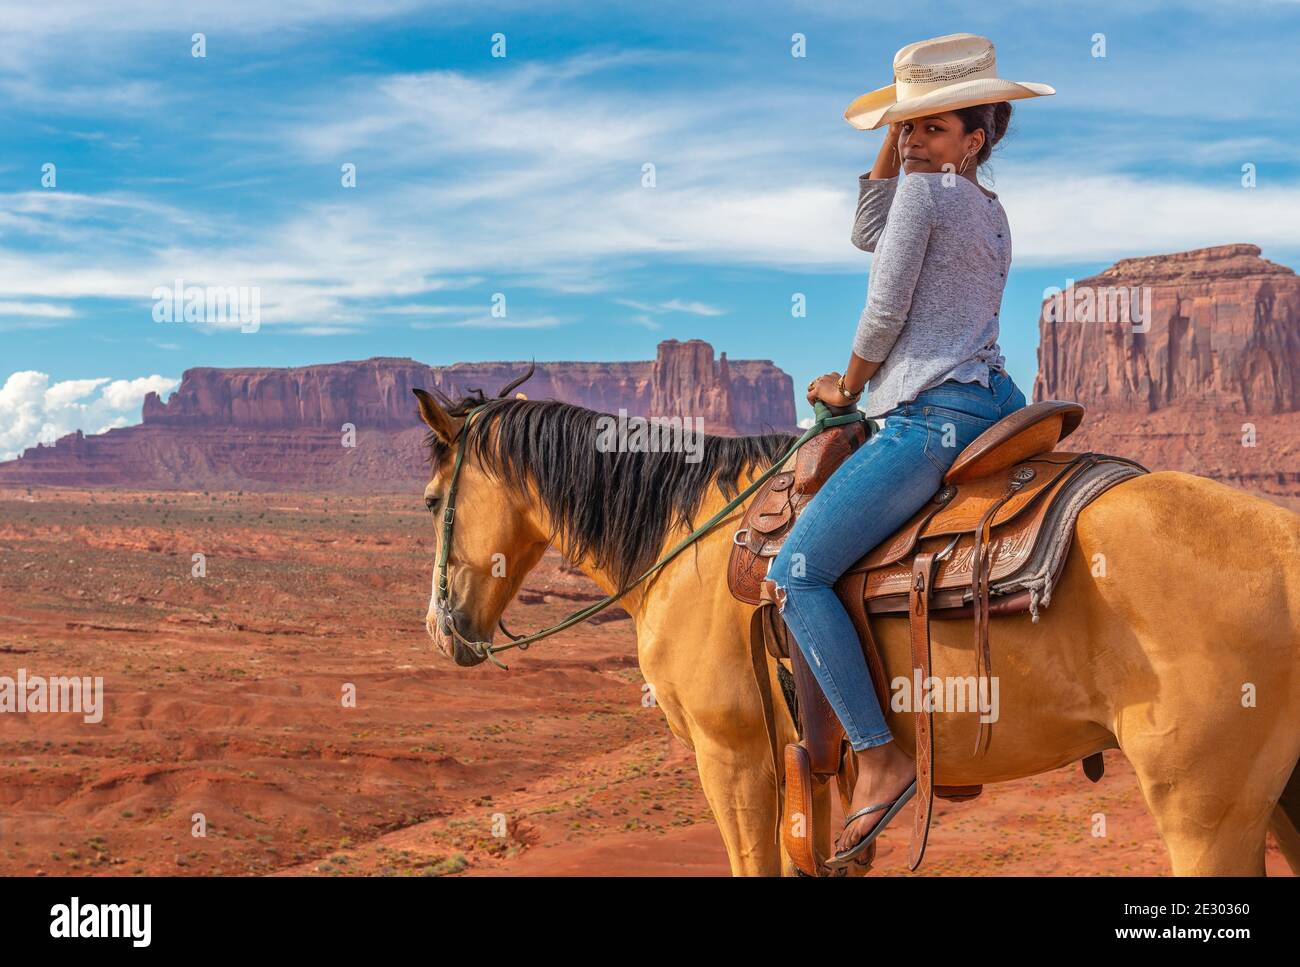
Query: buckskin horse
point(1198, 606)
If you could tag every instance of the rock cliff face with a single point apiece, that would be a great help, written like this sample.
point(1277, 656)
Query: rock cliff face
point(1188, 361)
point(373, 393)
point(283, 428)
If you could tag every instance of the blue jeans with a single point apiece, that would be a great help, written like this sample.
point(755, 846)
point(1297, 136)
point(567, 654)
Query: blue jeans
point(868, 497)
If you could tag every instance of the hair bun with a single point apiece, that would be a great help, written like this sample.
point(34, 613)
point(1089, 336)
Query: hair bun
point(992, 119)
point(1001, 118)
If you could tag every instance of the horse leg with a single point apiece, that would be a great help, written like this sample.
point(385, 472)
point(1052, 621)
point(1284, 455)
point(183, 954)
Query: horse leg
point(740, 785)
point(719, 714)
point(1204, 835)
point(743, 801)
point(1196, 661)
point(1212, 810)
point(1285, 822)
point(1170, 651)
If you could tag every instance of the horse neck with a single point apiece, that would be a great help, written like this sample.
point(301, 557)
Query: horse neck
point(632, 602)
point(540, 523)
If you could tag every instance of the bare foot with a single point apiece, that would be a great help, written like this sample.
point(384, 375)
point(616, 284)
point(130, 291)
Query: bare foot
point(884, 773)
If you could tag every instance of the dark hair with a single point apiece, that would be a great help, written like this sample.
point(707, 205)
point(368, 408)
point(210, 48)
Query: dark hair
point(992, 119)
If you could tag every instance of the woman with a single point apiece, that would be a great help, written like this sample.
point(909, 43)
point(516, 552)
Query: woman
point(926, 349)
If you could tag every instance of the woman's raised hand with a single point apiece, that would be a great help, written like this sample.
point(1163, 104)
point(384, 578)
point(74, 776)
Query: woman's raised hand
point(889, 160)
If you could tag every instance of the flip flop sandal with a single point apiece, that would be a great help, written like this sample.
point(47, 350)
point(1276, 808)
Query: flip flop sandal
point(853, 852)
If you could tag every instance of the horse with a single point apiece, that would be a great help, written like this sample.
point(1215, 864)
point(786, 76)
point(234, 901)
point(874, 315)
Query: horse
point(1173, 635)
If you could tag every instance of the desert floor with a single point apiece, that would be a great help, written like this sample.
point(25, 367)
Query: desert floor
point(224, 697)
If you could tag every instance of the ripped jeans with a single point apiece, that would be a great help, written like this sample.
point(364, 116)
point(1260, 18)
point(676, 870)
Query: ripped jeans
point(870, 495)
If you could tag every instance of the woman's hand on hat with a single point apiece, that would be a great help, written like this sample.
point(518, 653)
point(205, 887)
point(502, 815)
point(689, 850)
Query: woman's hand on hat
point(889, 159)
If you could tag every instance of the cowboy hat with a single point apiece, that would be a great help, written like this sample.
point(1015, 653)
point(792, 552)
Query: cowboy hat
point(936, 75)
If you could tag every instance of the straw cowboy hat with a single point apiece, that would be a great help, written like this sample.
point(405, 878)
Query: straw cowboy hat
point(937, 75)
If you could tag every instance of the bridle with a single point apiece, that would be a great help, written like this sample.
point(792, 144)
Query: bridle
point(825, 419)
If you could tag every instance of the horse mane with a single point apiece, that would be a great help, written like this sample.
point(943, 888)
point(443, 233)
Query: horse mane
point(614, 508)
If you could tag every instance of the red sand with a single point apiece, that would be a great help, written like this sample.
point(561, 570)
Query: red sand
point(223, 697)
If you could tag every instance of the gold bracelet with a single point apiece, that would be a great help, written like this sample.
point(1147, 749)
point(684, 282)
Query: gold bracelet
point(854, 397)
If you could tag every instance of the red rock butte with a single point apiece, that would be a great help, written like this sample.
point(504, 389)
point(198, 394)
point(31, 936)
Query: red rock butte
point(1208, 381)
point(282, 429)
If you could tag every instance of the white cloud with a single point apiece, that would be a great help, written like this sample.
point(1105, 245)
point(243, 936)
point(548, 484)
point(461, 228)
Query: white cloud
point(693, 308)
point(34, 410)
point(1071, 216)
point(423, 309)
point(674, 305)
point(128, 394)
point(62, 395)
point(158, 15)
point(326, 330)
point(489, 321)
point(44, 310)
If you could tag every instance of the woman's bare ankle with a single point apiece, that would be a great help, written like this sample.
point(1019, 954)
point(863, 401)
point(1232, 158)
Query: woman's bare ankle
point(886, 758)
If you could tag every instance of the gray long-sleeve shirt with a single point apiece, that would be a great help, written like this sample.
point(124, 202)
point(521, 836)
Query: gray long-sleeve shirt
point(941, 258)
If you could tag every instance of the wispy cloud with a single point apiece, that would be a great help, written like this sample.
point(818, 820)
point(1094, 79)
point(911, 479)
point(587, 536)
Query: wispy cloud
point(426, 309)
point(44, 310)
point(674, 305)
point(488, 321)
point(534, 174)
point(240, 16)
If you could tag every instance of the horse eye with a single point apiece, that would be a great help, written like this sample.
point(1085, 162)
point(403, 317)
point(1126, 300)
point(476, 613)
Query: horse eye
point(430, 502)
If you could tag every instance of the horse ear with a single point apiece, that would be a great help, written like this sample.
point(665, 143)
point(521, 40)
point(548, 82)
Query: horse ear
point(435, 417)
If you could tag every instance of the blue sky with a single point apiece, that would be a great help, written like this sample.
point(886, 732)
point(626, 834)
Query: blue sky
point(522, 175)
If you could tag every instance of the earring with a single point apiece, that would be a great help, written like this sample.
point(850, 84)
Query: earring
point(964, 161)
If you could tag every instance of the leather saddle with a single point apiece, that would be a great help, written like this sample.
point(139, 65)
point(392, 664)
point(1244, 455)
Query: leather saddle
point(992, 541)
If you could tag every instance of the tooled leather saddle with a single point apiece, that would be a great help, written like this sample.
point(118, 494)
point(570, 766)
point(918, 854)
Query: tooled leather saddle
point(992, 541)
